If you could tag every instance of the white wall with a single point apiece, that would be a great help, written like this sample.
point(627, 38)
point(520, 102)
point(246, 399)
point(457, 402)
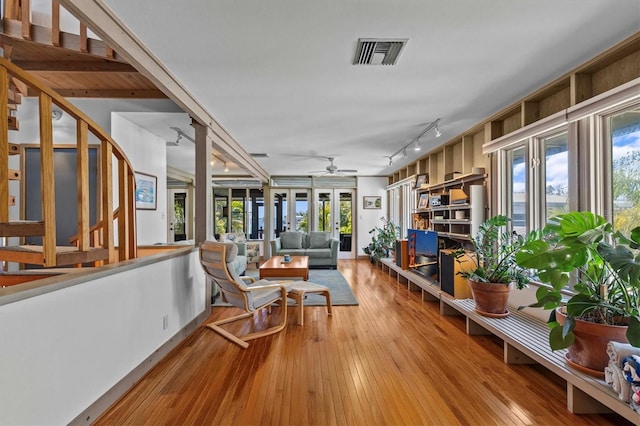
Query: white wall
point(370, 218)
point(148, 154)
point(63, 350)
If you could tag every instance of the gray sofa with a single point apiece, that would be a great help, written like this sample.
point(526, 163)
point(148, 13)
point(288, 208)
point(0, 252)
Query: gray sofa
point(319, 246)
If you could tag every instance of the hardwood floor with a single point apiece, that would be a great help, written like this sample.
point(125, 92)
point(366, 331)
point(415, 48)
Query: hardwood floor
point(392, 360)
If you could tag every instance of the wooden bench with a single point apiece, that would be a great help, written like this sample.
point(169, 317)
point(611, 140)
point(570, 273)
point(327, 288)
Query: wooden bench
point(525, 341)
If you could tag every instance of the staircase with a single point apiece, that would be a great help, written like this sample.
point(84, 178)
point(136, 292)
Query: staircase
point(48, 254)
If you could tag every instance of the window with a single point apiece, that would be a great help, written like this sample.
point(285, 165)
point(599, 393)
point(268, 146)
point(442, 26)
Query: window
point(517, 199)
point(556, 175)
point(624, 141)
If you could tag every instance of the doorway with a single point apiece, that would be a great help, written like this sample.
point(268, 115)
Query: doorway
point(177, 212)
point(334, 214)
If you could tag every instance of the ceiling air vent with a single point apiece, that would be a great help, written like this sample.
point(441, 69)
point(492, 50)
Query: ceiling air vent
point(376, 51)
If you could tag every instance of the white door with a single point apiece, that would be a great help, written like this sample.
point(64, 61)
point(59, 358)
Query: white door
point(334, 214)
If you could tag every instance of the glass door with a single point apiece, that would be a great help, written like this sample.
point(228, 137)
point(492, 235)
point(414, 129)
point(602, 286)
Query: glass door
point(334, 214)
point(290, 210)
point(176, 215)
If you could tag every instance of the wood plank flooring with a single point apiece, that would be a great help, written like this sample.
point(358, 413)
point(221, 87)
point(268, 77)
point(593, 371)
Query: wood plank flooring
point(392, 360)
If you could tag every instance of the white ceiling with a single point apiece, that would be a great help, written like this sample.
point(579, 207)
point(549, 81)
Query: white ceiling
point(278, 74)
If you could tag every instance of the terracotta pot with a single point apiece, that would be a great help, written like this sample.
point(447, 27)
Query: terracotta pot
point(590, 346)
point(491, 298)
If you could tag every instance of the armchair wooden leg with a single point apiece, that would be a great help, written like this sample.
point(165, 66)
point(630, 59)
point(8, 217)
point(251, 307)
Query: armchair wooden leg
point(242, 340)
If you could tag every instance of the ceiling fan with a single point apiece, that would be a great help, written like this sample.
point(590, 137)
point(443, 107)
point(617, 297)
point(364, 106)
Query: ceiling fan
point(332, 169)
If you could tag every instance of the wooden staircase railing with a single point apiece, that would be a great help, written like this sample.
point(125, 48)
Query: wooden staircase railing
point(49, 255)
point(17, 23)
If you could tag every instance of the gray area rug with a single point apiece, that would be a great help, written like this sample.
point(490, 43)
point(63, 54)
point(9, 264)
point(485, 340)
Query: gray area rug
point(341, 294)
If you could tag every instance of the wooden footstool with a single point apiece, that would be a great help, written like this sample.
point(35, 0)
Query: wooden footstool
point(296, 290)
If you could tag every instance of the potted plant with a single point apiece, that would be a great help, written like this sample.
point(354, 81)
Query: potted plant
point(490, 266)
point(606, 268)
point(383, 240)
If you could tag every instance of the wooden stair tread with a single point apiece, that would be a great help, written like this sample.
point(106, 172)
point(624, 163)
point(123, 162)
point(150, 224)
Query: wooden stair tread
point(65, 255)
point(22, 228)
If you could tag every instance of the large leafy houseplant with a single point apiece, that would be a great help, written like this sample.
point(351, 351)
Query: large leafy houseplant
point(490, 268)
point(494, 249)
point(383, 240)
point(604, 264)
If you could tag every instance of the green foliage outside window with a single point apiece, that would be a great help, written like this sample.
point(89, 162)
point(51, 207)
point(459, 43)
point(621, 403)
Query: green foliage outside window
point(626, 192)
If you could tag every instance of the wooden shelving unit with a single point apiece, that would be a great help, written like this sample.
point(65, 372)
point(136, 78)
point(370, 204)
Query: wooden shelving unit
point(453, 218)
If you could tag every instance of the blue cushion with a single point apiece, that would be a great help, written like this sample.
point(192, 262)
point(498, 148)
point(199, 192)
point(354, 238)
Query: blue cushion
point(319, 240)
point(291, 240)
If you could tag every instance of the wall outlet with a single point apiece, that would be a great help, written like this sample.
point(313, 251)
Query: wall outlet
point(165, 322)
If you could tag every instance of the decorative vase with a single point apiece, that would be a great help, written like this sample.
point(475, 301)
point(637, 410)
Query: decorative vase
point(491, 298)
point(589, 349)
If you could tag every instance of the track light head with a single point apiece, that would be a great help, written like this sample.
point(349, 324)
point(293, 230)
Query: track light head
point(417, 146)
point(404, 153)
point(390, 161)
point(437, 131)
point(226, 169)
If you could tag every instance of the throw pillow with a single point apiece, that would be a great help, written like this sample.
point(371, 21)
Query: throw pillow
point(291, 240)
point(319, 240)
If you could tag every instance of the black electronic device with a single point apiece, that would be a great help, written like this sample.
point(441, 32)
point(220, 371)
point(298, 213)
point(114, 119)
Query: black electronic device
point(439, 200)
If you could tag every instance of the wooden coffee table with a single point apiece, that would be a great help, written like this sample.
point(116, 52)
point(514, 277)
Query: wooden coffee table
point(276, 268)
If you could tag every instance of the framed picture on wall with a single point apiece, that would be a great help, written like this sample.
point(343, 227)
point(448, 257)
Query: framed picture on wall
point(372, 202)
point(146, 191)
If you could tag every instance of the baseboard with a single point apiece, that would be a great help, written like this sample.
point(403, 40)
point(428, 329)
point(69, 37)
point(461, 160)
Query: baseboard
point(102, 404)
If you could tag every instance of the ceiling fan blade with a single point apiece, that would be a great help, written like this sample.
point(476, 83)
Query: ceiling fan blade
point(347, 171)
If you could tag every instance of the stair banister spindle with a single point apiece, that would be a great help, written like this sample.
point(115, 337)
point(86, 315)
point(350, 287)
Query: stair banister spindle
point(82, 152)
point(107, 198)
point(4, 148)
point(47, 180)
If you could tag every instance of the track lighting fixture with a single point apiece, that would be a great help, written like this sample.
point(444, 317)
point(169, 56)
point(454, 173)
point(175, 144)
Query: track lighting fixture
point(416, 141)
point(226, 169)
point(181, 135)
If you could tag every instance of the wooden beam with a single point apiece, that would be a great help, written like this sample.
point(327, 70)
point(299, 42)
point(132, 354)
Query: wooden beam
point(47, 180)
point(75, 66)
point(82, 152)
point(22, 229)
point(4, 147)
point(112, 93)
